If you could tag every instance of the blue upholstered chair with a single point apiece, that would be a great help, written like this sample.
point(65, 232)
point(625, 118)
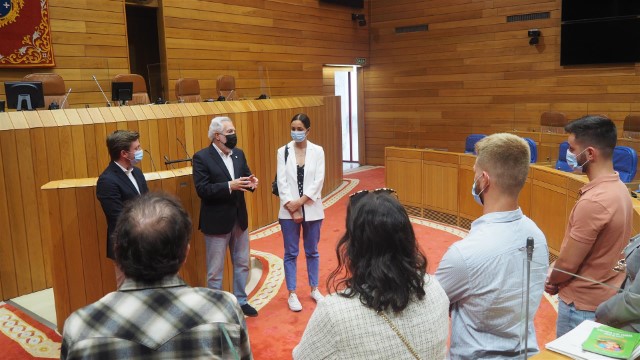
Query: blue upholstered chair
point(533, 148)
point(562, 164)
point(470, 143)
point(625, 162)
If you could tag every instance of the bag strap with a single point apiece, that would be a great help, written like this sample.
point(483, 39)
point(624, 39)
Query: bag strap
point(404, 340)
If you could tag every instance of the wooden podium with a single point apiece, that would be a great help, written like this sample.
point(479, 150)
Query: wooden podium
point(81, 271)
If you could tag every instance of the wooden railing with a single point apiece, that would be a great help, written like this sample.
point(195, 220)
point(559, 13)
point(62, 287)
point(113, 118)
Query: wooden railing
point(437, 185)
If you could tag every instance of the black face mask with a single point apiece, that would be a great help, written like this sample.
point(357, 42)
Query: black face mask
point(232, 140)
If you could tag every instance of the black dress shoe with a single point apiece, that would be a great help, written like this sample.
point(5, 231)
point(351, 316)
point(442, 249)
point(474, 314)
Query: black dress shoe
point(248, 310)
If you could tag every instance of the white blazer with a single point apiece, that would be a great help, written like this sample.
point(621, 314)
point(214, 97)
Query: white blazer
point(313, 181)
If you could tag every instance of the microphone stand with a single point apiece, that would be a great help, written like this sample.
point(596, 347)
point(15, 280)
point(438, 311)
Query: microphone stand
point(153, 163)
point(526, 321)
point(65, 99)
point(100, 87)
point(189, 158)
point(170, 162)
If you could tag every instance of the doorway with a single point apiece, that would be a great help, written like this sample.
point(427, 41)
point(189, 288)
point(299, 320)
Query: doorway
point(144, 48)
point(348, 85)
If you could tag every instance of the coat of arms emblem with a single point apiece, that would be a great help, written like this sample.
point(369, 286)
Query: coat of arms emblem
point(9, 11)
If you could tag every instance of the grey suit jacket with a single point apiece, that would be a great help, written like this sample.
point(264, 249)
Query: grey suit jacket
point(623, 309)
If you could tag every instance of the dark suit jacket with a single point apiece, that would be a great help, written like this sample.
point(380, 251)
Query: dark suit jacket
point(219, 209)
point(113, 190)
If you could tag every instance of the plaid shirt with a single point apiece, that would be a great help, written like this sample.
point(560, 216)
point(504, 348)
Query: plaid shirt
point(163, 320)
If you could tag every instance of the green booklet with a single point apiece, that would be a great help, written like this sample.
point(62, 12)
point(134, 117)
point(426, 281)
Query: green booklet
point(612, 342)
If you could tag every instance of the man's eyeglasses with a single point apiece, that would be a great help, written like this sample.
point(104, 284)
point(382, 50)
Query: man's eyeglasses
point(359, 194)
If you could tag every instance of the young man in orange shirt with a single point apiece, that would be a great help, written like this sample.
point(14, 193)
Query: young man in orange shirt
point(599, 226)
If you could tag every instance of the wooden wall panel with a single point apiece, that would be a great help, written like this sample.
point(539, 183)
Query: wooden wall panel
point(89, 38)
point(472, 72)
point(270, 46)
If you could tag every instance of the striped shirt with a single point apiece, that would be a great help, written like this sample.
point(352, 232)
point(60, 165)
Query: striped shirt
point(485, 279)
point(164, 320)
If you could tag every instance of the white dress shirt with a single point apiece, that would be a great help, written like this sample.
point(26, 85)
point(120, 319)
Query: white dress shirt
point(129, 173)
point(228, 162)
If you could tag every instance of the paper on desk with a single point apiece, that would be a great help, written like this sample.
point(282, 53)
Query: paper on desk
point(570, 344)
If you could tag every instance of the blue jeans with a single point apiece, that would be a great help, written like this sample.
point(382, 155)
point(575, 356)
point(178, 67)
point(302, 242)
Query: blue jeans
point(311, 237)
point(569, 317)
point(238, 242)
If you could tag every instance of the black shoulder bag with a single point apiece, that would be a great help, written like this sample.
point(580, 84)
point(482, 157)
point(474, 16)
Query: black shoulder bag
point(274, 184)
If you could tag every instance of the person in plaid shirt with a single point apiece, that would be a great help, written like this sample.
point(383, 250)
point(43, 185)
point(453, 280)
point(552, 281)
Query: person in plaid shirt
point(154, 314)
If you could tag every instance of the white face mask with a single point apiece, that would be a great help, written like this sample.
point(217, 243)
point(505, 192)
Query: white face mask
point(298, 136)
point(572, 160)
point(476, 196)
point(137, 157)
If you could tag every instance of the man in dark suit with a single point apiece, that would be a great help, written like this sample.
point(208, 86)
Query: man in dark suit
point(120, 182)
point(222, 176)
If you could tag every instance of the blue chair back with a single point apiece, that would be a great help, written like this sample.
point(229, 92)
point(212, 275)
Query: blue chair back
point(533, 148)
point(561, 163)
point(470, 143)
point(625, 162)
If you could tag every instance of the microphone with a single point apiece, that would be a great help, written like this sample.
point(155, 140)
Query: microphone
point(153, 163)
point(230, 97)
point(65, 99)
point(167, 161)
point(189, 158)
point(100, 87)
point(529, 248)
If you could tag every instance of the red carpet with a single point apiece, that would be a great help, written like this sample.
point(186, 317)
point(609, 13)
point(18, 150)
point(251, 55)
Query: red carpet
point(278, 330)
point(21, 337)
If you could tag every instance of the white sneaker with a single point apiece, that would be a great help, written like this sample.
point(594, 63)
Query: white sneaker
point(294, 303)
point(316, 295)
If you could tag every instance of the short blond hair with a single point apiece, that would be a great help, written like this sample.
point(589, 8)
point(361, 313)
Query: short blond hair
point(506, 158)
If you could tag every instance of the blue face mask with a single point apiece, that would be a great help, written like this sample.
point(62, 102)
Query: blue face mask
point(137, 157)
point(476, 196)
point(572, 160)
point(298, 136)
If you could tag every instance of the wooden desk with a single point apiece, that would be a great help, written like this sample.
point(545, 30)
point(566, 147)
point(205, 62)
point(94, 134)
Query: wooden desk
point(437, 185)
point(37, 147)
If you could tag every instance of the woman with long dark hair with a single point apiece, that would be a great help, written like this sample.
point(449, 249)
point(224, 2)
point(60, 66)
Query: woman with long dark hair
point(383, 303)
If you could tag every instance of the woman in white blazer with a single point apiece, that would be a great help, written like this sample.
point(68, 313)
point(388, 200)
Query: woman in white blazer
point(300, 180)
